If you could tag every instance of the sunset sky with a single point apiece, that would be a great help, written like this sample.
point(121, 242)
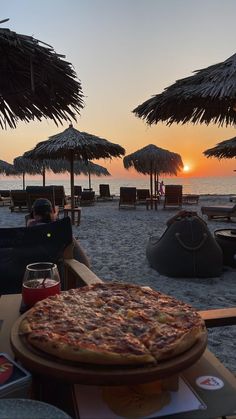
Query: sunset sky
point(125, 51)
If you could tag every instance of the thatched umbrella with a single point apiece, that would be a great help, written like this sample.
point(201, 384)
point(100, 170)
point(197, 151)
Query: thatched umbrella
point(23, 165)
point(72, 145)
point(89, 168)
point(224, 150)
point(207, 96)
point(154, 160)
point(7, 168)
point(35, 82)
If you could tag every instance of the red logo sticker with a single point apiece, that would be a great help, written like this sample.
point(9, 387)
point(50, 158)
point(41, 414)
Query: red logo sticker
point(209, 382)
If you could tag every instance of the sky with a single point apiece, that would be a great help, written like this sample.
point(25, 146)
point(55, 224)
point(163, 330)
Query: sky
point(123, 53)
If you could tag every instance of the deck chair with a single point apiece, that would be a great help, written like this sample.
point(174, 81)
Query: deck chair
point(223, 211)
point(104, 193)
point(5, 198)
point(18, 200)
point(128, 197)
point(52, 242)
point(142, 196)
point(60, 196)
point(87, 198)
point(77, 190)
point(35, 192)
point(173, 196)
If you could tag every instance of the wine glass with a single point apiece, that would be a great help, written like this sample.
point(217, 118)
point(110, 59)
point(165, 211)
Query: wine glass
point(40, 281)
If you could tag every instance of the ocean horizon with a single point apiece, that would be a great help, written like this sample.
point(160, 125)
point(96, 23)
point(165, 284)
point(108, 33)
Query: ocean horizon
point(219, 185)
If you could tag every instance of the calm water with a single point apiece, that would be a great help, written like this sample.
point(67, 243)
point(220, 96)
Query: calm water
point(201, 185)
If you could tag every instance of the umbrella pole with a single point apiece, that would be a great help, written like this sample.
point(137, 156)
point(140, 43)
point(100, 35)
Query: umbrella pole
point(23, 180)
point(151, 187)
point(89, 176)
point(43, 175)
point(72, 187)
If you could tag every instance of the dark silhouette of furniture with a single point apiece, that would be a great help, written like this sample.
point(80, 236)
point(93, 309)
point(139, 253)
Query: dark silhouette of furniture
point(19, 246)
point(36, 192)
point(142, 196)
point(173, 196)
point(128, 197)
point(59, 196)
point(5, 198)
point(76, 211)
point(217, 211)
point(190, 199)
point(87, 198)
point(104, 193)
point(19, 200)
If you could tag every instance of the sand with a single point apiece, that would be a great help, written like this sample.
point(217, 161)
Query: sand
point(116, 240)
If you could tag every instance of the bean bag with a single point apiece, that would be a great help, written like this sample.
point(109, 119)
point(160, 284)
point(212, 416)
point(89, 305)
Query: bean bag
point(186, 249)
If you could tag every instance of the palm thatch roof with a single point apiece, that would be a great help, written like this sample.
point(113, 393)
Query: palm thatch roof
point(73, 145)
point(81, 145)
point(154, 160)
point(35, 82)
point(224, 150)
point(7, 168)
point(207, 96)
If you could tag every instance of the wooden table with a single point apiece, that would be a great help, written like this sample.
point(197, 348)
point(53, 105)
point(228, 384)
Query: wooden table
point(152, 203)
point(219, 403)
point(74, 212)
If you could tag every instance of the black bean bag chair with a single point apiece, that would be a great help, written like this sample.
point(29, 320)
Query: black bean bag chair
point(186, 249)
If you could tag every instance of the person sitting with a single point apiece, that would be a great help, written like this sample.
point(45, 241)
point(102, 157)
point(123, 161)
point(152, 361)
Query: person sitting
point(43, 212)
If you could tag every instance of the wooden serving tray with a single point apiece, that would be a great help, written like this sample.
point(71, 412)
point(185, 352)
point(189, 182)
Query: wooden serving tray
point(43, 364)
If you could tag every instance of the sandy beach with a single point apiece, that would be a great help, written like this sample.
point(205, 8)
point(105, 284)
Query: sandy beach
point(116, 240)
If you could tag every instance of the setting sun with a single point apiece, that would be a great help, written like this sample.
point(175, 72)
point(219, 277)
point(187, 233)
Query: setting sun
point(186, 168)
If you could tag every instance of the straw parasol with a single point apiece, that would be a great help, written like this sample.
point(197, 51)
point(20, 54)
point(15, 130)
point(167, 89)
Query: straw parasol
point(23, 165)
point(89, 168)
point(207, 96)
point(154, 160)
point(7, 168)
point(225, 149)
point(35, 82)
point(72, 145)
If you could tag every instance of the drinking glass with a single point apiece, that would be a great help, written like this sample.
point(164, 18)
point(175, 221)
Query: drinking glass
point(40, 281)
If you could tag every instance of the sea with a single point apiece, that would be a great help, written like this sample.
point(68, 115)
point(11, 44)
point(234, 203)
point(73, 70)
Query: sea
point(224, 185)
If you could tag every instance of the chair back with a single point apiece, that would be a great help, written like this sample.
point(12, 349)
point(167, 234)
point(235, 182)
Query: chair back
point(5, 193)
point(35, 192)
point(18, 199)
point(87, 198)
point(173, 196)
point(59, 195)
point(77, 190)
point(127, 196)
point(143, 194)
point(20, 246)
point(104, 190)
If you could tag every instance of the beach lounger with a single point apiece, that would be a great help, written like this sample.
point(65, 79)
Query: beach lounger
point(223, 211)
point(87, 198)
point(142, 196)
point(173, 196)
point(59, 196)
point(128, 197)
point(5, 198)
point(35, 192)
point(18, 200)
point(104, 193)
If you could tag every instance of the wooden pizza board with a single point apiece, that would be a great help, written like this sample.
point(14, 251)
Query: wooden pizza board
point(43, 364)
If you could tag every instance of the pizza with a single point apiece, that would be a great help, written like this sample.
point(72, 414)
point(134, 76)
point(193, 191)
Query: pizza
point(112, 323)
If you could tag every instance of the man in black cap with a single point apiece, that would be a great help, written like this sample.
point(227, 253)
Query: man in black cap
point(43, 212)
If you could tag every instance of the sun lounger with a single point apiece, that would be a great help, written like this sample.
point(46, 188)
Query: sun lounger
point(223, 211)
point(127, 197)
point(104, 193)
point(142, 196)
point(173, 196)
point(18, 200)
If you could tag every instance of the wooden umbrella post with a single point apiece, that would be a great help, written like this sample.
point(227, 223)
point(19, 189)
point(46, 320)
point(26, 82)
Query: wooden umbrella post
point(43, 173)
point(151, 186)
point(72, 187)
